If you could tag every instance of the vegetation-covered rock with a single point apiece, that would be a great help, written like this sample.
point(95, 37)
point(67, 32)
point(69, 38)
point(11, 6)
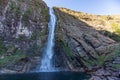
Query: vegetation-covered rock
point(23, 32)
point(84, 44)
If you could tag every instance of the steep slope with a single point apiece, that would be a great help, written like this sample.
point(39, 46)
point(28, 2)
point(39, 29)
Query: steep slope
point(106, 24)
point(86, 48)
point(23, 33)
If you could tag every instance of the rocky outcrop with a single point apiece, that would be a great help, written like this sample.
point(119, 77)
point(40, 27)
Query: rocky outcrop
point(85, 48)
point(23, 33)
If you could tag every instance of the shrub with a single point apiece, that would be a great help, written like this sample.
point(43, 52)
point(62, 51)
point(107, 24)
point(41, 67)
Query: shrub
point(100, 60)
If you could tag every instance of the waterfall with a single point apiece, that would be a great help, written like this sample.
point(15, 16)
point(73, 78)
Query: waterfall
point(46, 63)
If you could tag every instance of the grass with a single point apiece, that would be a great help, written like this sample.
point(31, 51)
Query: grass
point(12, 59)
point(27, 14)
point(116, 28)
point(34, 50)
point(67, 50)
point(16, 9)
point(100, 60)
point(2, 47)
point(34, 36)
point(116, 66)
point(44, 13)
point(116, 34)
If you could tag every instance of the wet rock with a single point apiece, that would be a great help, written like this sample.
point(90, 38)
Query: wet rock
point(3, 70)
point(102, 72)
point(112, 78)
point(95, 78)
point(116, 62)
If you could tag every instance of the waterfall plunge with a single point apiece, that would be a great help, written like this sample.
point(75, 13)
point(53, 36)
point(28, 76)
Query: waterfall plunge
point(46, 63)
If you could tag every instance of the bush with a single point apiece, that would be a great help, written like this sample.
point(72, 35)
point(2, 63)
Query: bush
point(116, 28)
point(99, 61)
point(12, 59)
point(2, 47)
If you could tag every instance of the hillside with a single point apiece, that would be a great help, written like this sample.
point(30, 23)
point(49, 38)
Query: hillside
point(106, 24)
point(89, 42)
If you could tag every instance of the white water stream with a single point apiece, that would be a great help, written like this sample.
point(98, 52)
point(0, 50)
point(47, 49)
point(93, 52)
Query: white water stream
point(46, 63)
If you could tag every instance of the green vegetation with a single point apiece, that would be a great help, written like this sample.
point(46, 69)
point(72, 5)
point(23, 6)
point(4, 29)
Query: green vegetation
point(116, 34)
point(116, 28)
point(66, 49)
point(27, 14)
point(21, 38)
point(100, 60)
point(34, 36)
point(12, 6)
point(44, 13)
point(37, 5)
point(11, 59)
point(116, 66)
point(15, 9)
point(2, 47)
point(33, 50)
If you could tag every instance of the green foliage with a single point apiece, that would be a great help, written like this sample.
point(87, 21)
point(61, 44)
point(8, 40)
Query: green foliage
point(34, 36)
point(33, 50)
point(18, 11)
point(116, 28)
point(100, 60)
point(15, 9)
point(11, 59)
point(44, 13)
point(37, 5)
point(116, 32)
point(20, 38)
point(116, 66)
point(2, 47)
point(27, 14)
point(66, 49)
point(12, 6)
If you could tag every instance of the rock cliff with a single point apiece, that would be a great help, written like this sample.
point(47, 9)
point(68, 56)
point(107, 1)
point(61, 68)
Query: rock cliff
point(84, 45)
point(23, 33)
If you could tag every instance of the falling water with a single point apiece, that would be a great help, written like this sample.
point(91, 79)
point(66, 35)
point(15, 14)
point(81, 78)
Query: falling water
point(46, 63)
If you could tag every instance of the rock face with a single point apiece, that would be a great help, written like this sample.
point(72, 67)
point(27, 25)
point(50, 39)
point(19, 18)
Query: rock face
point(85, 48)
point(23, 33)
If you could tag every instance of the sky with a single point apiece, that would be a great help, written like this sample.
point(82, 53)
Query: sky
point(101, 7)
